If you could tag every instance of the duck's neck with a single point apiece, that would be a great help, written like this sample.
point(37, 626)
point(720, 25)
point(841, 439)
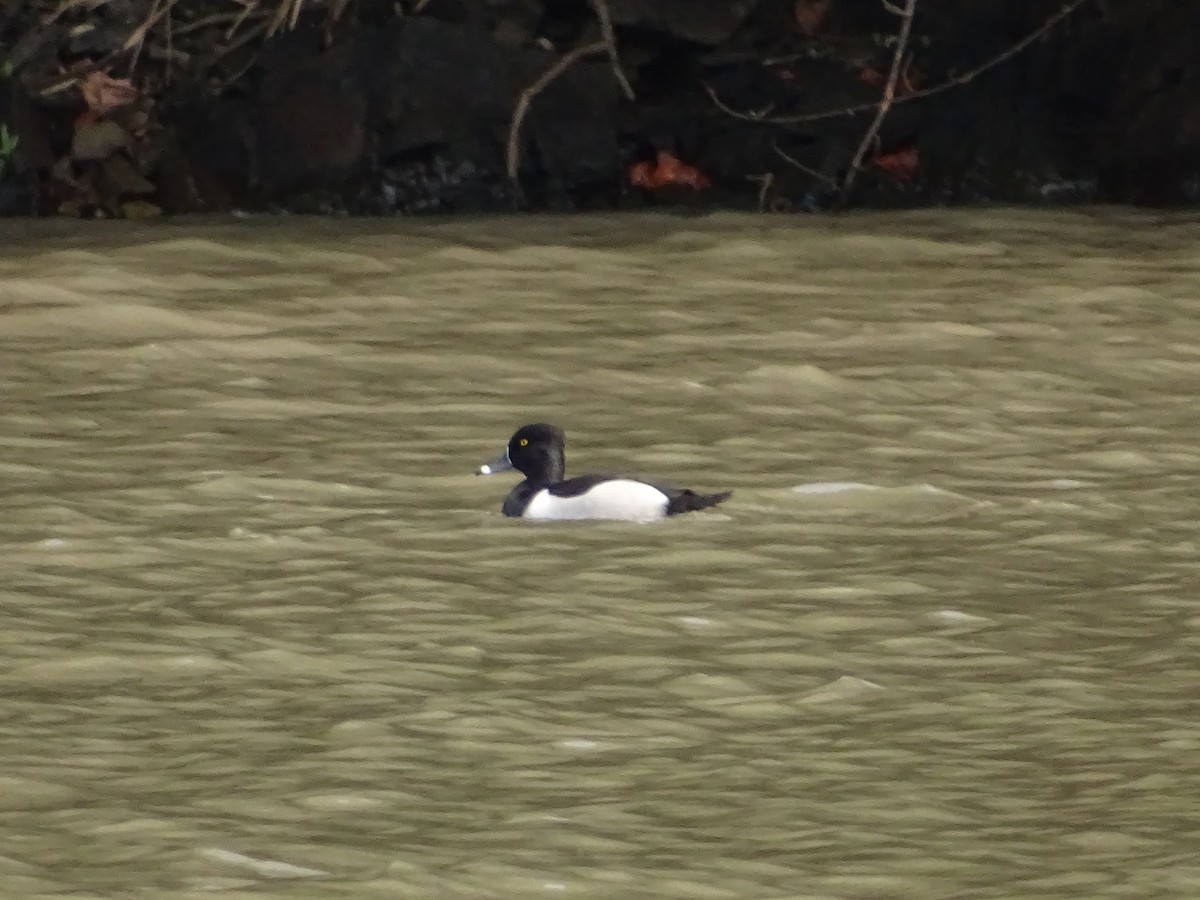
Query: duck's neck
point(549, 469)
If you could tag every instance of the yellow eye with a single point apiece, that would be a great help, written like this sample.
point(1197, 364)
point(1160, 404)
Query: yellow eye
point(524, 442)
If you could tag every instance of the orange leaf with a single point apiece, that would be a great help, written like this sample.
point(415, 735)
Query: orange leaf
point(642, 175)
point(103, 93)
point(667, 169)
point(902, 164)
point(672, 171)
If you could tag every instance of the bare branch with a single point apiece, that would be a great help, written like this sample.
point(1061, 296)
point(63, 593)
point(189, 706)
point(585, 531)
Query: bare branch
point(889, 95)
point(820, 176)
point(512, 155)
point(610, 44)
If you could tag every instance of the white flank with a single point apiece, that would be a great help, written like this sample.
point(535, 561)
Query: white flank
point(621, 498)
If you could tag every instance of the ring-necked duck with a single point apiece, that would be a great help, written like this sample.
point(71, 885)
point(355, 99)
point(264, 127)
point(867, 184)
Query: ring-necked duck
point(536, 451)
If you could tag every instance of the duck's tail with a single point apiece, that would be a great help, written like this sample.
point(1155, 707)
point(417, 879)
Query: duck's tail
point(690, 501)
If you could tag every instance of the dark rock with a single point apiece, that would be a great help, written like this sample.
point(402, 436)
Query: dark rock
point(118, 179)
point(447, 86)
point(436, 185)
point(17, 197)
point(454, 12)
point(1151, 139)
point(311, 123)
point(518, 24)
point(703, 21)
point(311, 129)
point(185, 187)
point(30, 127)
point(37, 45)
point(217, 144)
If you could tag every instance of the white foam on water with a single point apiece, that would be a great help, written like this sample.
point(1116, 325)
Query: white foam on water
point(834, 487)
point(269, 868)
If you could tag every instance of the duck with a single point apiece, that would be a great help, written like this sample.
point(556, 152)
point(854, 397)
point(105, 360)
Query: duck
point(537, 451)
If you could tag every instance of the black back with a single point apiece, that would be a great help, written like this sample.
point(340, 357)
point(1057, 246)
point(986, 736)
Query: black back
point(688, 500)
point(580, 484)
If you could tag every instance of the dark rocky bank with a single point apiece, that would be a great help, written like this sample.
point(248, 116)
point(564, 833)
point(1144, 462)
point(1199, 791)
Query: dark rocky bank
point(139, 107)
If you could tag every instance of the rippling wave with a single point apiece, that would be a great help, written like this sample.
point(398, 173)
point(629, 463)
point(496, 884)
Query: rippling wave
point(266, 634)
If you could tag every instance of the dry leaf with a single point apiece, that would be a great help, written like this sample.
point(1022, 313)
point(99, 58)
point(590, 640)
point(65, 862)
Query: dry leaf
point(872, 77)
point(103, 93)
point(140, 209)
point(811, 15)
point(120, 178)
point(98, 140)
point(902, 164)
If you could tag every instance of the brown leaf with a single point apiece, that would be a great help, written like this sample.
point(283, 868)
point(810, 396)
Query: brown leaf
point(103, 93)
point(811, 15)
point(140, 209)
point(98, 140)
point(872, 77)
point(120, 178)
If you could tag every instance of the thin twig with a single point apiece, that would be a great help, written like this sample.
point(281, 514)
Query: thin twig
point(170, 29)
point(765, 182)
point(287, 11)
point(241, 17)
point(58, 87)
point(512, 155)
point(297, 5)
point(610, 44)
point(889, 92)
point(820, 176)
point(956, 81)
point(751, 116)
point(197, 24)
point(69, 5)
point(252, 34)
point(137, 37)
